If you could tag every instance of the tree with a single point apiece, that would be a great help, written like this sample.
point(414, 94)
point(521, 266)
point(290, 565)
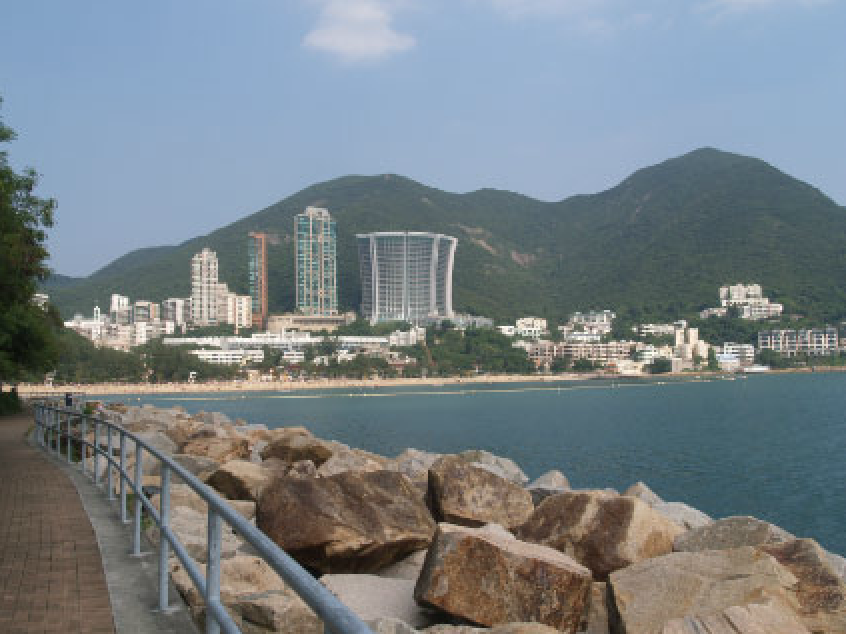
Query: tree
point(660, 366)
point(713, 365)
point(27, 331)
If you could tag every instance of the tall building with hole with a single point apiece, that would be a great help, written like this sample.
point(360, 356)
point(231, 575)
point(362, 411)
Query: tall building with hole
point(406, 275)
point(317, 270)
point(257, 271)
point(204, 288)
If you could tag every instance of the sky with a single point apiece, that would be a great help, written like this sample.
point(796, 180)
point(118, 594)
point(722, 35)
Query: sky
point(154, 122)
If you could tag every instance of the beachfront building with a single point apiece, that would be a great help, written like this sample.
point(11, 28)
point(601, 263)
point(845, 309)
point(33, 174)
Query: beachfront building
point(316, 263)
point(204, 288)
point(744, 352)
point(257, 272)
point(406, 275)
point(790, 343)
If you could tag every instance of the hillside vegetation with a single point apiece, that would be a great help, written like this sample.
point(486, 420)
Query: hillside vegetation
point(657, 245)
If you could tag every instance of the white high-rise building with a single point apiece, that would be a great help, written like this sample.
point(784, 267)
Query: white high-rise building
point(120, 311)
point(204, 288)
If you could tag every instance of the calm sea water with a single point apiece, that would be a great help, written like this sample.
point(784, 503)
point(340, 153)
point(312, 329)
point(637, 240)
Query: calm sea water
point(769, 446)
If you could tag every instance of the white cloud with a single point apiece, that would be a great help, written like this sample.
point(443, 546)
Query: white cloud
point(358, 30)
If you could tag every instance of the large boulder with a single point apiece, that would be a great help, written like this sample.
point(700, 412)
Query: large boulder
point(596, 616)
point(297, 443)
point(347, 459)
point(191, 528)
point(652, 593)
point(644, 493)
point(461, 493)
point(730, 532)
point(603, 531)
point(508, 628)
point(254, 595)
point(184, 496)
point(218, 449)
point(241, 480)
point(350, 522)
point(490, 578)
point(550, 483)
point(821, 592)
point(196, 465)
point(753, 618)
point(685, 516)
point(407, 568)
point(415, 463)
point(372, 597)
point(503, 467)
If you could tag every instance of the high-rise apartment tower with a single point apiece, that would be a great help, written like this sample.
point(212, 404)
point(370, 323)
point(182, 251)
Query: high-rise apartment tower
point(317, 276)
point(204, 288)
point(257, 267)
point(406, 275)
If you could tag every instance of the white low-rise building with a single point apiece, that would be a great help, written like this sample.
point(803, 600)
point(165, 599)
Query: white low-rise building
point(531, 327)
point(744, 352)
point(790, 343)
point(229, 357)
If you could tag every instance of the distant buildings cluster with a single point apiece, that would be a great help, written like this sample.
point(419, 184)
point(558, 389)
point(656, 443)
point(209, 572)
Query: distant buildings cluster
point(748, 300)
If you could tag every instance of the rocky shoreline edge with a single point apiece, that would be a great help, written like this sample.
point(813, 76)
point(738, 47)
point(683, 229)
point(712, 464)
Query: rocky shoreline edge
point(460, 543)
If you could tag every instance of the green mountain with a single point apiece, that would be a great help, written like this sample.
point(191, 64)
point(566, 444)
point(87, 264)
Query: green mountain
point(657, 245)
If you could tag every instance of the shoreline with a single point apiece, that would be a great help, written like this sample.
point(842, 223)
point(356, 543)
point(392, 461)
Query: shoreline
point(317, 384)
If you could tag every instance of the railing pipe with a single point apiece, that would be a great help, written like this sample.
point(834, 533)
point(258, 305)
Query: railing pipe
point(123, 517)
point(83, 446)
point(109, 465)
point(164, 550)
point(215, 535)
point(139, 494)
point(96, 452)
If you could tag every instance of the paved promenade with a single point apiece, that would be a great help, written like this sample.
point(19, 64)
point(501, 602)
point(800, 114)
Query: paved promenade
point(51, 574)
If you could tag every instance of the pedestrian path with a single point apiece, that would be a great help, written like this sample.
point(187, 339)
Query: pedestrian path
point(51, 572)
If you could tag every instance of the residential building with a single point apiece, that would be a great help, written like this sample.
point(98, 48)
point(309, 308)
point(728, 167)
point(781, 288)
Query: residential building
point(257, 271)
point(748, 299)
point(230, 357)
point(204, 288)
point(531, 327)
point(120, 311)
point(142, 310)
point(744, 352)
point(406, 275)
point(595, 321)
point(316, 263)
point(508, 331)
point(660, 330)
point(177, 310)
point(295, 321)
point(790, 343)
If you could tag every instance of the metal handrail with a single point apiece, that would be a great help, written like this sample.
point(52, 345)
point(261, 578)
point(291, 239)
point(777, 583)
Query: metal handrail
point(49, 419)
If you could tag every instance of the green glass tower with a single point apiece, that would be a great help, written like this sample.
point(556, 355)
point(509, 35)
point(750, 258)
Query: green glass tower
point(317, 276)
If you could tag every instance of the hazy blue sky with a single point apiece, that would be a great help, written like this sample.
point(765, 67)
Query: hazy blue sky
point(153, 122)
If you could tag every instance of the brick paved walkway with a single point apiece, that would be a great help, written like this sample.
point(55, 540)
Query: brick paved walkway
point(51, 574)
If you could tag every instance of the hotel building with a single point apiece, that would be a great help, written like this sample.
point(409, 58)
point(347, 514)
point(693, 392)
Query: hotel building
point(406, 275)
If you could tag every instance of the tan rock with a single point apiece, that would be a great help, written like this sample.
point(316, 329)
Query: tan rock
point(351, 522)
point(191, 529)
point(296, 443)
point(257, 599)
point(241, 480)
point(218, 449)
point(463, 494)
point(821, 592)
point(603, 531)
point(730, 532)
point(652, 593)
point(347, 459)
point(596, 616)
point(372, 597)
point(753, 618)
point(492, 578)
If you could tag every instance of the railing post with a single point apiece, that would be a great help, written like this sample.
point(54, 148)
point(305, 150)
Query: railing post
point(123, 517)
point(82, 446)
point(53, 419)
point(68, 439)
point(215, 534)
point(109, 482)
point(96, 452)
point(164, 544)
point(136, 542)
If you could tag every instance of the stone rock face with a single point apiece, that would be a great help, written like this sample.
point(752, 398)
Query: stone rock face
point(490, 579)
point(351, 522)
point(550, 483)
point(218, 449)
point(198, 465)
point(347, 459)
point(372, 597)
point(753, 618)
point(240, 480)
point(596, 617)
point(503, 467)
point(407, 568)
point(685, 516)
point(461, 493)
point(385, 625)
point(601, 530)
point(508, 628)
point(190, 527)
point(297, 443)
point(155, 439)
point(730, 532)
point(838, 564)
point(257, 599)
point(415, 463)
point(644, 493)
point(650, 594)
point(821, 592)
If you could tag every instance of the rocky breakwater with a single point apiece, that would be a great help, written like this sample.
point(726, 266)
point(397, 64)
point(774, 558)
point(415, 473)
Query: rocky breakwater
point(462, 543)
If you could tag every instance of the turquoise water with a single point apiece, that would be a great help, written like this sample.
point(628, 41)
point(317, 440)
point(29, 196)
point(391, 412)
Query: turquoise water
point(769, 446)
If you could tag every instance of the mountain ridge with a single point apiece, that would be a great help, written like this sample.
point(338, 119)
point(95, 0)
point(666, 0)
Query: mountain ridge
point(657, 244)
